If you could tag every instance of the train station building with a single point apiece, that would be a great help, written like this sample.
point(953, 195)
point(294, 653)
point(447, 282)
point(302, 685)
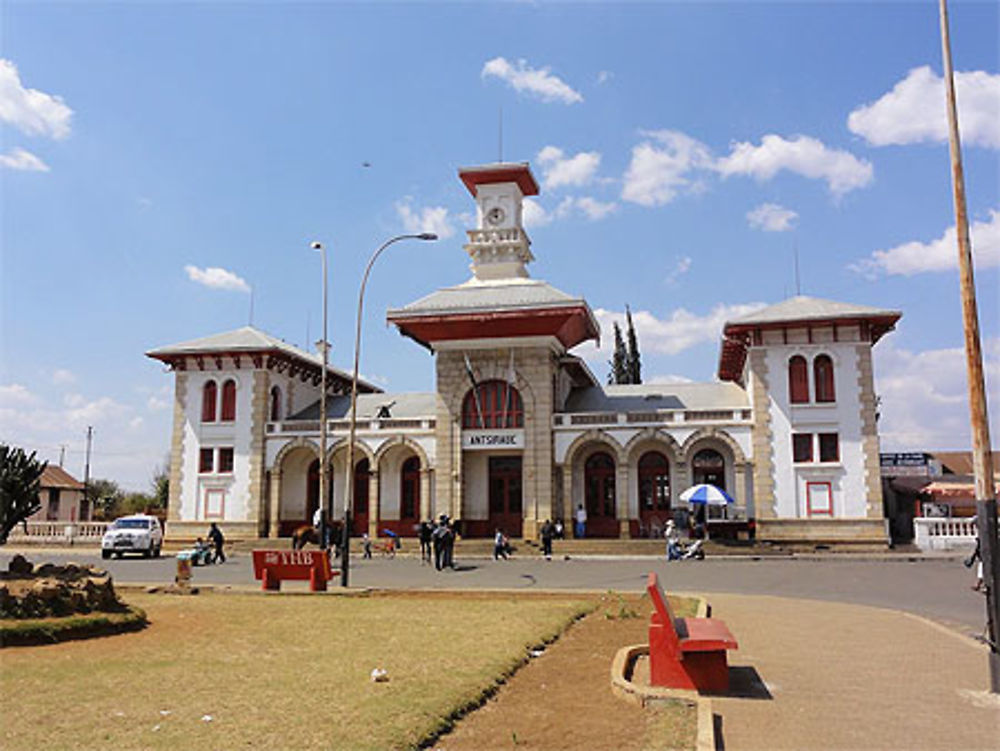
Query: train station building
point(519, 430)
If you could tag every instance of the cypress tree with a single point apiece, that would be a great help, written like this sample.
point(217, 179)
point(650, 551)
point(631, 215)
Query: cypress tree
point(633, 362)
point(618, 362)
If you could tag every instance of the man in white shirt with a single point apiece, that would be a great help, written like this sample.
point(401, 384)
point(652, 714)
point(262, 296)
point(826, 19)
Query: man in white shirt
point(581, 521)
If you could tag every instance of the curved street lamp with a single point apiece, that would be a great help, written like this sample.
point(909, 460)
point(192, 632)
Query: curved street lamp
point(349, 481)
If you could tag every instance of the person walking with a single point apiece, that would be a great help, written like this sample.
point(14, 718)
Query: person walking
point(581, 521)
point(322, 527)
point(673, 541)
point(499, 545)
point(548, 532)
point(438, 542)
point(215, 535)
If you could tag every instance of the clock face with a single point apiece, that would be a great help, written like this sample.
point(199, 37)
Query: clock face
point(495, 215)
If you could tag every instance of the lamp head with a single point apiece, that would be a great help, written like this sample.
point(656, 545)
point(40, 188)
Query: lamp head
point(316, 245)
point(427, 236)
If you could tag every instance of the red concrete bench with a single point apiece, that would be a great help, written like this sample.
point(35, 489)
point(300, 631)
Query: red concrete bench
point(272, 567)
point(686, 652)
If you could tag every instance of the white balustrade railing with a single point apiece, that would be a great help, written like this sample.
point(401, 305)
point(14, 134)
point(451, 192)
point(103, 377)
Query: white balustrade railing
point(63, 532)
point(931, 533)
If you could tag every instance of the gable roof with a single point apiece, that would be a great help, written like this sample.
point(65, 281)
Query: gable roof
point(55, 476)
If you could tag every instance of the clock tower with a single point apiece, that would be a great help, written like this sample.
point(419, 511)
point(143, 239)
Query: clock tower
point(499, 246)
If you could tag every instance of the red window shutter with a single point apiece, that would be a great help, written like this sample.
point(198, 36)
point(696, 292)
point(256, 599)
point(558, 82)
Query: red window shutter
point(798, 380)
point(823, 374)
point(208, 402)
point(229, 401)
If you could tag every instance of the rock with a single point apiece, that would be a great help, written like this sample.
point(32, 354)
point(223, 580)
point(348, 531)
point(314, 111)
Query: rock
point(20, 566)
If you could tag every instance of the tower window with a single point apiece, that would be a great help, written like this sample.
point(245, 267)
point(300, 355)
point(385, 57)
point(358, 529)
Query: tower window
point(823, 374)
point(798, 380)
point(208, 398)
point(229, 401)
point(802, 447)
point(493, 404)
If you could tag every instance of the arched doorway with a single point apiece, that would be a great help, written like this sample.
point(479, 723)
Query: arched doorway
point(599, 495)
point(359, 515)
point(654, 492)
point(409, 492)
point(312, 491)
point(708, 466)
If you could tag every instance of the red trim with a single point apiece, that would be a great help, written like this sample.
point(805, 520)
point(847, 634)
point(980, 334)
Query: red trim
point(499, 173)
point(828, 511)
point(571, 325)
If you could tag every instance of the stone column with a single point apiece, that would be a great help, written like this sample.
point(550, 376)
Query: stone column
point(258, 427)
point(740, 489)
point(374, 512)
point(177, 447)
point(761, 437)
point(425, 494)
point(274, 521)
point(869, 434)
point(621, 496)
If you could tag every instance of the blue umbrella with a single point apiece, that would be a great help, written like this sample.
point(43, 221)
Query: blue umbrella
point(708, 494)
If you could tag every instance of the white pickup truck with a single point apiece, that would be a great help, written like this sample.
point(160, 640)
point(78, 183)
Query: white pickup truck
point(138, 533)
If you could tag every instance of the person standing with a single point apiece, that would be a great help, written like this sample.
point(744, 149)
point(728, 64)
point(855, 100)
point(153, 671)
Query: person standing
point(425, 532)
point(449, 544)
point(366, 545)
point(548, 532)
point(581, 521)
point(437, 540)
point(322, 527)
point(673, 541)
point(215, 535)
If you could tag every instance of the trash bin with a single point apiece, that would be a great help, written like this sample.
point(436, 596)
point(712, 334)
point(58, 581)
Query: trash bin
point(183, 568)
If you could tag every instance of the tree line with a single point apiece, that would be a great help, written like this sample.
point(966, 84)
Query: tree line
point(626, 363)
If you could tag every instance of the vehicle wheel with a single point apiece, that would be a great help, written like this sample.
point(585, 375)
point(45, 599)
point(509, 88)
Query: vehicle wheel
point(156, 552)
point(119, 554)
point(148, 553)
point(105, 554)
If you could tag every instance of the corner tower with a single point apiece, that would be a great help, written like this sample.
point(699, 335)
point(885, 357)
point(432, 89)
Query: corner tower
point(498, 339)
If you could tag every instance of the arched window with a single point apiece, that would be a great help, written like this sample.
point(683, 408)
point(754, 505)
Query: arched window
point(493, 404)
point(798, 380)
point(823, 375)
point(228, 401)
point(208, 393)
point(599, 484)
point(409, 495)
point(275, 404)
point(654, 482)
point(709, 467)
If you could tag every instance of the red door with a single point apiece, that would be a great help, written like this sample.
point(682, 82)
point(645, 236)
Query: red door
point(359, 516)
point(505, 495)
point(654, 492)
point(599, 492)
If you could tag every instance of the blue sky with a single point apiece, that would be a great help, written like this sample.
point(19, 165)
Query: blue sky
point(685, 151)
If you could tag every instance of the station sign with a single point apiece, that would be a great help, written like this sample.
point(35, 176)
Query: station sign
point(491, 440)
point(908, 464)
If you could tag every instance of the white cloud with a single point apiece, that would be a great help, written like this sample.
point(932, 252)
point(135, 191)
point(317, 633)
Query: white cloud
point(938, 255)
point(770, 217)
point(538, 82)
point(594, 209)
point(676, 333)
point(562, 170)
point(802, 155)
point(667, 379)
point(24, 161)
point(604, 76)
point(682, 266)
point(427, 219)
point(924, 396)
point(534, 215)
point(155, 404)
point(914, 111)
point(61, 376)
point(216, 278)
point(15, 394)
point(29, 110)
point(661, 167)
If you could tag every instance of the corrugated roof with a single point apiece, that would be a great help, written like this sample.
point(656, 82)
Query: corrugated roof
point(804, 308)
point(960, 462)
point(652, 396)
point(401, 406)
point(55, 476)
point(493, 295)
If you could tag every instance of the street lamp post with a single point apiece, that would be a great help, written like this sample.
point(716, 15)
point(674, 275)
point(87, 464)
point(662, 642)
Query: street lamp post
point(322, 398)
point(345, 562)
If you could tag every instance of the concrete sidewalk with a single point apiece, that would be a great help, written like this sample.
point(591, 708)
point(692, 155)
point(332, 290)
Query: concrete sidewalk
point(824, 675)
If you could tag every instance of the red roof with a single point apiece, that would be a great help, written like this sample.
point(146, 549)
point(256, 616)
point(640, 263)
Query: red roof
point(502, 172)
point(55, 476)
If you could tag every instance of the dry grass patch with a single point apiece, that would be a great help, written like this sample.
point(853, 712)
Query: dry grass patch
point(251, 671)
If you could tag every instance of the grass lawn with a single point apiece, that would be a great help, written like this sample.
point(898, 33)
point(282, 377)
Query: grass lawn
point(227, 671)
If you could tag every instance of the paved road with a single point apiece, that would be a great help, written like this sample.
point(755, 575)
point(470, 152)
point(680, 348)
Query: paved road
point(938, 589)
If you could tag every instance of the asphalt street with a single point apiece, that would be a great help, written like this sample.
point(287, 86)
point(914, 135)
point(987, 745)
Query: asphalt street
point(935, 588)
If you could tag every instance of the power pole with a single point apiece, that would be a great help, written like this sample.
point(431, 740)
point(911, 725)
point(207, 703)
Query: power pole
point(982, 460)
point(86, 472)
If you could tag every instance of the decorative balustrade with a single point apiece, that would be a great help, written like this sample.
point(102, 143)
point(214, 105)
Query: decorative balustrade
point(932, 533)
point(66, 532)
point(664, 417)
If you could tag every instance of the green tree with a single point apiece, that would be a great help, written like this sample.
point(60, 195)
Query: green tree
point(161, 485)
point(633, 362)
point(20, 481)
point(618, 362)
point(105, 498)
